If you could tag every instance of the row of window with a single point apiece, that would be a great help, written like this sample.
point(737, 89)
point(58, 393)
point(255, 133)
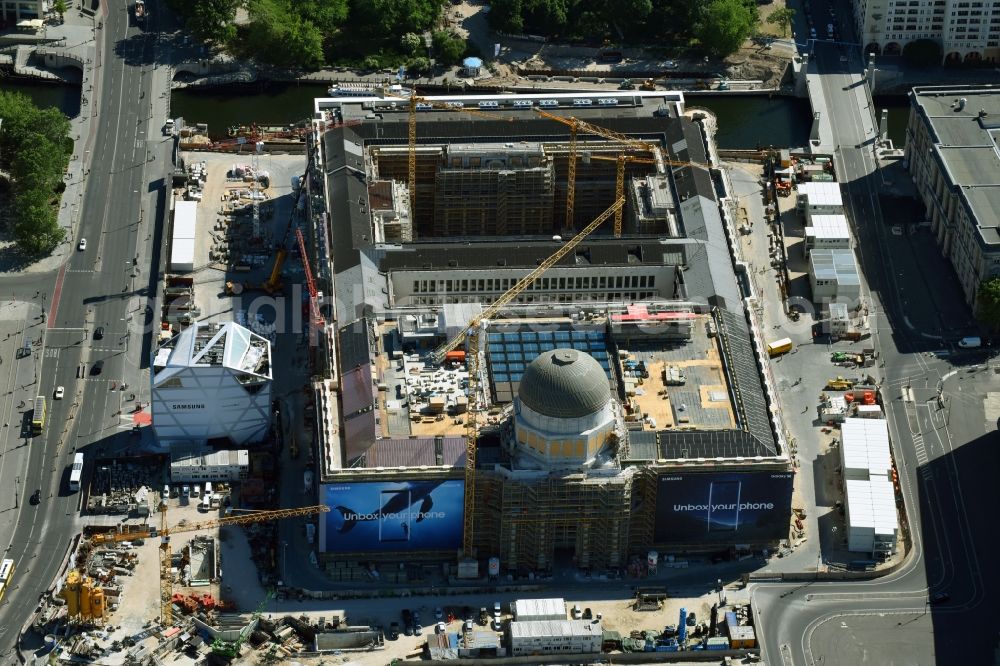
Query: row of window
point(541, 284)
point(941, 3)
point(213, 477)
point(600, 297)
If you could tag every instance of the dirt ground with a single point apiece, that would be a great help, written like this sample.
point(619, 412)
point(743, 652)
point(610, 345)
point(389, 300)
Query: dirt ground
point(140, 600)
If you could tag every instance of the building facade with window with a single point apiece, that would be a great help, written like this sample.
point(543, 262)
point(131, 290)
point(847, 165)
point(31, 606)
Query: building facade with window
point(967, 30)
point(955, 165)
point(13, 11)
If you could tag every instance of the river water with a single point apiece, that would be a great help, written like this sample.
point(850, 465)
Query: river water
point(64, 97)
point(745, 122)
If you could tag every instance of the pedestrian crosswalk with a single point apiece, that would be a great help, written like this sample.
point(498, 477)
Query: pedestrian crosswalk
point(922, 460)
point(918, 447)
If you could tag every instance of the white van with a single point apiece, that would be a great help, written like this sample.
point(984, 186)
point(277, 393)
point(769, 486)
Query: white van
point(206, 503)
point(971, 342)
point(208, 488)
point(196, 493)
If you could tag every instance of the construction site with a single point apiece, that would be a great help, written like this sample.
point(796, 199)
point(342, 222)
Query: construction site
point(544, 353)
point(527, 351)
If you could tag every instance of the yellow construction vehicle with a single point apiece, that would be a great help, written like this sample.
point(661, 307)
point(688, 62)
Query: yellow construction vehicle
point(648, 84)
point(839, 384)
point(273, 284)
point(470, 333)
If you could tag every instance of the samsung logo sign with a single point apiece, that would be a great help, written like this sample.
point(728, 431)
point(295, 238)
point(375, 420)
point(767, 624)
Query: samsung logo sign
point(188, 406)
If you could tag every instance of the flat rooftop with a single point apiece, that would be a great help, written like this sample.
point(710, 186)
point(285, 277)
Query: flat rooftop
point(371, 274)
point(686, 385)
point(965, 135)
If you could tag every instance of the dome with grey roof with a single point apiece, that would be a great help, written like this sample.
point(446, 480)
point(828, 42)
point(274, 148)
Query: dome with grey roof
point(564, 383)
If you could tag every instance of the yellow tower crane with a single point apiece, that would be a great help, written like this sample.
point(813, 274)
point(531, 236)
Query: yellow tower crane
point(624, 158)
point(166, 578)
point(576, 127)
point(411, 137)
point(471, 334)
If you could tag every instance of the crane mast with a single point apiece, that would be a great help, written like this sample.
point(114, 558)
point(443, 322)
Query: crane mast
point(471, 334)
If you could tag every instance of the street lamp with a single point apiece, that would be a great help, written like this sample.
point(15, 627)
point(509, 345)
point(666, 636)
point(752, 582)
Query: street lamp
point(284, 560)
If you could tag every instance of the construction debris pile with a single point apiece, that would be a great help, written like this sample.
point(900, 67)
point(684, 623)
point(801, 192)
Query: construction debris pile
point(121, 488)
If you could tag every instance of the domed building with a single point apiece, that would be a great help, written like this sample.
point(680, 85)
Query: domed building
point(564, 413)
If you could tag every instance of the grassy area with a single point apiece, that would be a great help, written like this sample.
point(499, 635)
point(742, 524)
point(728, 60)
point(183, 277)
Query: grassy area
point(771, 29)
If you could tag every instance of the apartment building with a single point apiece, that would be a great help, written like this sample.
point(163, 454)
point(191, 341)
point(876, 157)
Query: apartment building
point(968, 31)
point(954, 162)
point(13, 11)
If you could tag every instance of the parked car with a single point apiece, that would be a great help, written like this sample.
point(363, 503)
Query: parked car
point(588, 614)
point(438, 613)
point(393, 631)
point(409, 630)
point(496, 610)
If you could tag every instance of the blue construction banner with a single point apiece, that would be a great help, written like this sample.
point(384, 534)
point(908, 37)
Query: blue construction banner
point(392, 516)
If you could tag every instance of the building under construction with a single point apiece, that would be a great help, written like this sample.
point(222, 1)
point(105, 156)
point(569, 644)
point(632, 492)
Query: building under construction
point(621, 398)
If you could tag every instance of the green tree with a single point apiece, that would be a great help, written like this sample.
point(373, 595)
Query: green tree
point(782, 16)
point(507, 15)
point(725, 25)
point(284, 37)
point(213, 19)
point(395, 17)
point(36, 228)
point(923, 53)
point(988, 303)
point(411, 43)
point(327, 15)
point(372, 62)
point(35, 148)
point(59, 7)
point(418, 66)
point(448, 47)
point(38, 164)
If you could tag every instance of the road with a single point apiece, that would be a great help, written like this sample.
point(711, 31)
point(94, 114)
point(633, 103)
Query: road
point(944, 453)
point(96, 287)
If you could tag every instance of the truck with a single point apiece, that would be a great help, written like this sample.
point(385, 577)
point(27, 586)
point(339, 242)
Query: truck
point(779, 347)
point(139, 9)
point(839, 384)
